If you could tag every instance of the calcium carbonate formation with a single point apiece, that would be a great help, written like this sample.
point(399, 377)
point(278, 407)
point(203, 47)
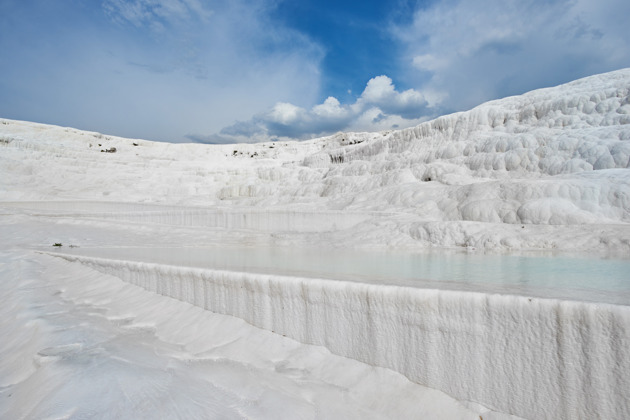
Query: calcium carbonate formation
point(546, 170)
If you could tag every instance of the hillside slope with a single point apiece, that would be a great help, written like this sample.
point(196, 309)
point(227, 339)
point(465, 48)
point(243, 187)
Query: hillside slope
point(549, 169)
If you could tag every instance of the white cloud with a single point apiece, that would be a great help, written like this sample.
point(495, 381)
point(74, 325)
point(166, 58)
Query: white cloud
point(468, 52)
point(380, 107)
point(285, 114)
point(378, 89)
point(157, 69)
point(331, 108)
point(460, 54)
point(429, 62)
point(380, 92)
point(154, 12)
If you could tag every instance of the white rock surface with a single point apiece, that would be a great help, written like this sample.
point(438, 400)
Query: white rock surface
point(537, 358)
point(553, 160)
point(78, 344)
point(546, 170)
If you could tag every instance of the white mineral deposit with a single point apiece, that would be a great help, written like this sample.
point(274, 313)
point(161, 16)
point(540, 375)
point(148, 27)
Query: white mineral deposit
point(474, 266)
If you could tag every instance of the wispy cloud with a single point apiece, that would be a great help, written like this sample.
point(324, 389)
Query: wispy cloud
point(154, 13)
point(468, 52)
point(156, 69)
point(379, 107)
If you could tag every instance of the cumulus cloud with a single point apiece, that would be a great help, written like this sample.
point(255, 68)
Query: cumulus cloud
point(380, 92)
point(379, 107)
point(458, 54)
point(463, 53)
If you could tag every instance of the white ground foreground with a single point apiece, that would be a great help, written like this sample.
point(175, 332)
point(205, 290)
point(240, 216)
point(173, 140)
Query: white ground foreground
point(81, 338)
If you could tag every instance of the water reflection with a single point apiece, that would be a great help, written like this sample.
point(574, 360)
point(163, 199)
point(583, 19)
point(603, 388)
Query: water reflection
point(569, 277)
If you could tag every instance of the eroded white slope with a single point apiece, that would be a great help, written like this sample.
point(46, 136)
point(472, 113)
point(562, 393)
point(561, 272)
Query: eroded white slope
point(79, 344)
point(536, 358)
point(544, 170)
point(530, 171)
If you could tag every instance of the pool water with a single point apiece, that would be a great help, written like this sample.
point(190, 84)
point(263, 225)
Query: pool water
point(573, 277)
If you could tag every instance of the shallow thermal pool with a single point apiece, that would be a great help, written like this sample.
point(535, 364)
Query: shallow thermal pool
point(581, 277)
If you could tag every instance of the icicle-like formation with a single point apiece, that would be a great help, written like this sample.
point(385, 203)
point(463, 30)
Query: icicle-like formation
point(536, 358)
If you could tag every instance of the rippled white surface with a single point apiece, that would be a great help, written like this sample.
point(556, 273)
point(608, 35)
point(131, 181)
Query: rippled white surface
point(78, 344)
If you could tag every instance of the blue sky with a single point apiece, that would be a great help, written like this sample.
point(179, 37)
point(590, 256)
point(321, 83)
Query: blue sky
point(226, 71)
